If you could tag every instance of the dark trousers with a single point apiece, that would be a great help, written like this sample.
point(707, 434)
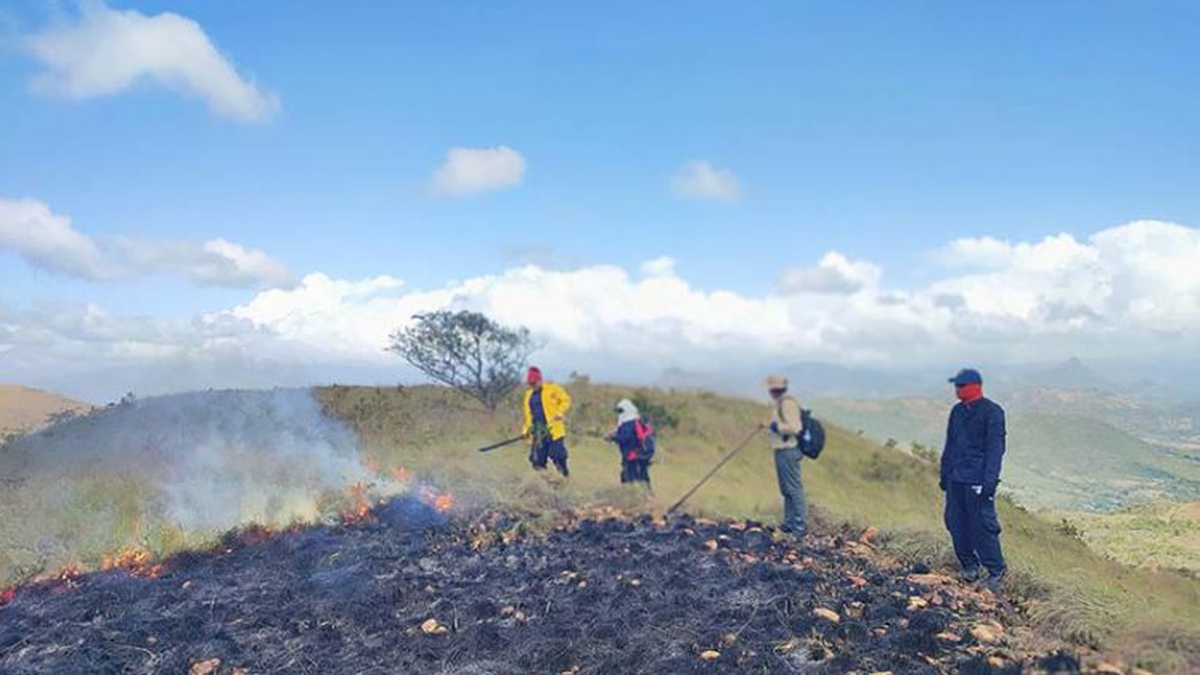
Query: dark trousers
point(544, 448)
point(635, 471)
point(974, 528)
point(795, 508)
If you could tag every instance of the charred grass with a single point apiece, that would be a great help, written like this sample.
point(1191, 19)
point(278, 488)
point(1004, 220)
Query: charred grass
point(1066, 588)
point(591, 592)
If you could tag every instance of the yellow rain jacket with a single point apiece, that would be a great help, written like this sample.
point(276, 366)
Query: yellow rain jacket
point(556, 402)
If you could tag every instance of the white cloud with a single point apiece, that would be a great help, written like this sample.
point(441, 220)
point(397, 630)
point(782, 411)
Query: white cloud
point(834, 275)
point(468, 171)
point(1131, 291)
point(663, 266)
point(107, 51)
point(701, 180)
point(47, 240)
point(29, 229)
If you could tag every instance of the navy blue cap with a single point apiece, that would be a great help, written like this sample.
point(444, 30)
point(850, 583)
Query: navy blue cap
point(967, 376)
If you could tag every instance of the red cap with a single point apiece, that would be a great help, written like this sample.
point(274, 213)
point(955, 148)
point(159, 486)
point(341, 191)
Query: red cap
point(534, 375)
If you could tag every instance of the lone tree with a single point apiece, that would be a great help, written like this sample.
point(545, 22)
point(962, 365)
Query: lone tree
point(467, 351)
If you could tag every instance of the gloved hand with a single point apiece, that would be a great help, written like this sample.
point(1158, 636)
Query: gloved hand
point(774, 427)
point(989, 489)
point(631, 455)
point(977, 489)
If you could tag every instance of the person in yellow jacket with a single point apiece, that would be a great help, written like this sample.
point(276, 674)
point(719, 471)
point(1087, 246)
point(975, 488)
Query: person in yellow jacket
point(546, 406)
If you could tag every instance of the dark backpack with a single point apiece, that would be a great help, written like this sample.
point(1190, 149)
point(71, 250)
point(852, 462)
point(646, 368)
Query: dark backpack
point(812, 442)
point(645, 434)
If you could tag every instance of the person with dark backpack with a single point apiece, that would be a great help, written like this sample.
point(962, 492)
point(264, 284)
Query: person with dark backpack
point(786, 430)
point(635, 441)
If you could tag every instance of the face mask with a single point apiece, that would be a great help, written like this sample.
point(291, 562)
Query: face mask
point(969, 393)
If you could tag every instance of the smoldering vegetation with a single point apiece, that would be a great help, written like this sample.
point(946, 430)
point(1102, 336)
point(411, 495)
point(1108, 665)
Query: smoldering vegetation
point(405, 590)
point(161, 471)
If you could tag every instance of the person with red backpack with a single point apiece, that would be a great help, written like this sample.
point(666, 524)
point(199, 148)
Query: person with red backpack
point(635, 441)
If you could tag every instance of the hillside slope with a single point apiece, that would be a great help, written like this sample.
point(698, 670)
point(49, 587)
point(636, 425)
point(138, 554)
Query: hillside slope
point(1071, 590)
point(265, 445)
point(25, 409)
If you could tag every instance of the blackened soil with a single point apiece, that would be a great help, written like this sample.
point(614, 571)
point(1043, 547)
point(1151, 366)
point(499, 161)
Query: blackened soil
point(596, 595)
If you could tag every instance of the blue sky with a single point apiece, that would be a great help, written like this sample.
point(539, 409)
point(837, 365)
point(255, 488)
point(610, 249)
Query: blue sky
point(882, 131)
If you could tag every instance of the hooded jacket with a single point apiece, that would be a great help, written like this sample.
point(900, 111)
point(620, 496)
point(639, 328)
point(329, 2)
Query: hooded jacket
point(555, 402)
point(626, 434)
point(975, 443)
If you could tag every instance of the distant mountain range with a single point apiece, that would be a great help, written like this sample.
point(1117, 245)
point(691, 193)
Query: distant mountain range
point(827, 379)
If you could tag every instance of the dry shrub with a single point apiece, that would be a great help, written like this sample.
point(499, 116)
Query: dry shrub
point(1075, 614)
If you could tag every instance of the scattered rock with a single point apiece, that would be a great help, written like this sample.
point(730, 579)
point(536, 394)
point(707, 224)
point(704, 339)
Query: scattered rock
point(827, 614)
point(710, 655)
point(206, 667)
point(1109, 669)
point(868, 534)
point(985, 635)
point(930, 579)
point(917, 602)
point(949, 637)
point(432, 627)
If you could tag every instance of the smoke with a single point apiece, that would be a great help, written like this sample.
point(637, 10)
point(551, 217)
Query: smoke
point(214, 459)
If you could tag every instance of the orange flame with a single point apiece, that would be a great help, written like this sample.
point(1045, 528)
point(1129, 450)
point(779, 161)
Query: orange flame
point(442, 503)
point(361, 509)
point(401, 474)
point(133, 559)
point(68, 576)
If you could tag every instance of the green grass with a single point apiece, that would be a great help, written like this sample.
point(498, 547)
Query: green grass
point(1162, 535)
point(1068, 588)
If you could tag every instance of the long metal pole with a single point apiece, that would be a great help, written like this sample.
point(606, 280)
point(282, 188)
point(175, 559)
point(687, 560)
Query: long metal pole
point(730, 455)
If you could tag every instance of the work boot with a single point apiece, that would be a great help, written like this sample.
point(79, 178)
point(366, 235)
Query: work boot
point(794, 532)
point(995, 582)
point(970, 576)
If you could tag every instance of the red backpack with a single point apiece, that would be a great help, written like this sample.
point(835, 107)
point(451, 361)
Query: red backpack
point(645, 434)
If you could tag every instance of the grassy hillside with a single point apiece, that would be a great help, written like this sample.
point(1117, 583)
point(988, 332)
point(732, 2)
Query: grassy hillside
point(1070, 589)
point(24, 409)
point(1163, 535)
point(86, 509)
point(1054, 461)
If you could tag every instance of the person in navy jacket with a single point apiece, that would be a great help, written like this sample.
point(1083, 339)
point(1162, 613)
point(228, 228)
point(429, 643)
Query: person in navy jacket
point(970, 472)
point(635, 462)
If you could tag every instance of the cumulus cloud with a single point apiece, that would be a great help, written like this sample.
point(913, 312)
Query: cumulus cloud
point(47, 240)
point(31, 230)
point(701, 180)
point(834, 275)
point(1125, 292)
point(107, 51)
point(663, 266)
point(468, 171)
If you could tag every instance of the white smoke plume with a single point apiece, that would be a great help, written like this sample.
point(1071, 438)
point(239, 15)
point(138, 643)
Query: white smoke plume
point(216, 459)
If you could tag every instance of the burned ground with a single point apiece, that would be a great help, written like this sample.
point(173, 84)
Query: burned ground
point(406, 591)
